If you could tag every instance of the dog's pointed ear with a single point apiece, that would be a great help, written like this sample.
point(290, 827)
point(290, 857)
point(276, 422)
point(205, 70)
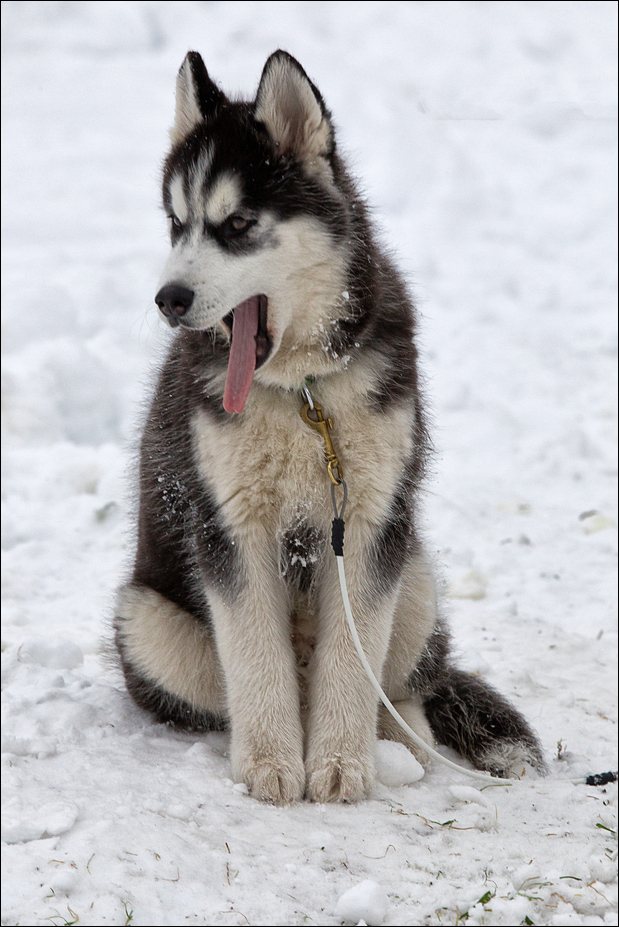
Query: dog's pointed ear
point(293, 111)
point(197, 97)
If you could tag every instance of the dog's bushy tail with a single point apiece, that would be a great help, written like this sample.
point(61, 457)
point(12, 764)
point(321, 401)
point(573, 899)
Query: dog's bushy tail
point(467, 714)
point(470, 716)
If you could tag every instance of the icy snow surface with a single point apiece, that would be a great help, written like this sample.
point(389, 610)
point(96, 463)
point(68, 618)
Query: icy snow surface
point(484, 134)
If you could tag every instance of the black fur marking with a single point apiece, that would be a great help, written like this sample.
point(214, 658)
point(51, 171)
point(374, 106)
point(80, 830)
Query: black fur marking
point(432, 663)
point(389, 549)
point(397, 539)
point(182, 543)
point(381, 316)
point(210, 97)
point(301, 549)
point(167, 708)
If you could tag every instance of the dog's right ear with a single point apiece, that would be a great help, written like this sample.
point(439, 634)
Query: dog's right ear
point(197, 97)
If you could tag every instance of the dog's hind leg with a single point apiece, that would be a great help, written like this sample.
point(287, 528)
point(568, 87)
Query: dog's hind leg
point(169, 660)
point(459, 710)
point(414, 619)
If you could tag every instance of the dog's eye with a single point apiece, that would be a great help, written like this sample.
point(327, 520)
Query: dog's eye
point(237, 225)
point(177, 225)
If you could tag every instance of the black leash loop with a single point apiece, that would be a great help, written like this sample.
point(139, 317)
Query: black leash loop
point(337, 526)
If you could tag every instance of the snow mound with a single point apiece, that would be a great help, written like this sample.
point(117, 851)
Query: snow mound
point(395, 765)
point(366, 901)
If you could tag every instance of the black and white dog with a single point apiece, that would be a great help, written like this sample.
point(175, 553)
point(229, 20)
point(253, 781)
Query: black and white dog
point(233, 616)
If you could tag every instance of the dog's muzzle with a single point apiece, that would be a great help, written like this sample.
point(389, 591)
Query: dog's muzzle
point(174, 301)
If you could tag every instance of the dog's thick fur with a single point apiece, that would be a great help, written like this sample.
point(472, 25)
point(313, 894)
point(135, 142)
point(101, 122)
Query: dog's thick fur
point(233, 617)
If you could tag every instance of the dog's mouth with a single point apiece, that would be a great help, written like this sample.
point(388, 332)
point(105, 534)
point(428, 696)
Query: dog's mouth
point(250, 345)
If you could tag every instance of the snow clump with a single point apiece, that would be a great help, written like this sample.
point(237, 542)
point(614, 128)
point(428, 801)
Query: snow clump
point(366, 901)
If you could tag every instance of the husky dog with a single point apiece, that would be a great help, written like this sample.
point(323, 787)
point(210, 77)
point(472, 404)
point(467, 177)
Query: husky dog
point(233, 617)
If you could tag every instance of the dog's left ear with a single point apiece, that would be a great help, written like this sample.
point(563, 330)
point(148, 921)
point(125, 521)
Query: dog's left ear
point(293, 111)
point(197, 97)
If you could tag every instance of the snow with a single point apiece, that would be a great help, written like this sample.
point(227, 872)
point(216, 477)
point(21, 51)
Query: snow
point(58, 653)
point(366, 901)
point(485, 137)
point(395, 765)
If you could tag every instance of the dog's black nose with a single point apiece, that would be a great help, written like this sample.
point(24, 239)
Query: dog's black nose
point(174, 301)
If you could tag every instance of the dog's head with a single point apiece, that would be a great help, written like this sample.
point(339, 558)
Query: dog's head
point(259, 223)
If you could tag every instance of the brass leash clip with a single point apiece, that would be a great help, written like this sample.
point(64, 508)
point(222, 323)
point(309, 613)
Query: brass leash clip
point(323, 426)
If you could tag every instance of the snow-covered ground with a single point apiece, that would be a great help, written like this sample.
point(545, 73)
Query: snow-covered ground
point(484, 134)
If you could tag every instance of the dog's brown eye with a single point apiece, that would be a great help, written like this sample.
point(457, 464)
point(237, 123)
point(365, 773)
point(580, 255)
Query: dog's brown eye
point(232, 229)
point(238, 223)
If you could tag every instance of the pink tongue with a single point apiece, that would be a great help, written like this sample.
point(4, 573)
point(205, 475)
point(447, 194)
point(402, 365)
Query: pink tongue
point(242, 362)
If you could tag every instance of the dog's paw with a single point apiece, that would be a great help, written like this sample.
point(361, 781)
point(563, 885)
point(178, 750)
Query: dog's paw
point(277, 783)
point(339, 778)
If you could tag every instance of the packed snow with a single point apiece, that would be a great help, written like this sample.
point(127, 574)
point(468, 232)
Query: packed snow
point(485, 137)
point(367, 900)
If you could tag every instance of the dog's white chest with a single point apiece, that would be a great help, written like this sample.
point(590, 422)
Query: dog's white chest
point(269, 465)
point(262, 468)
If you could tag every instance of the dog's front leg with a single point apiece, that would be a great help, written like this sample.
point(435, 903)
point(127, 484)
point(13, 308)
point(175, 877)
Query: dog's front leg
point(253, 640)
point(343, 705)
